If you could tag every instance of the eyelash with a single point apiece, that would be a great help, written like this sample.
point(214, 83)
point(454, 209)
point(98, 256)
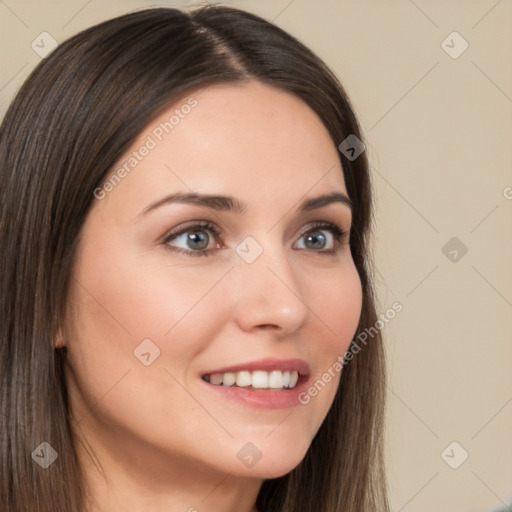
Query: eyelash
point(338, 234)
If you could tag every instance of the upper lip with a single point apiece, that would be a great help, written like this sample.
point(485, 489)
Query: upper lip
point(267, 364)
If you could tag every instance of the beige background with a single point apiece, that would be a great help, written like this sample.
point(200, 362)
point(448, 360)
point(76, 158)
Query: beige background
point(439, 138)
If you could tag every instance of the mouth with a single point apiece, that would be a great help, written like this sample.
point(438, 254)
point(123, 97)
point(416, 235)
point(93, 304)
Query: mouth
point(265, 374)
point(257, 380)
point(264, 384)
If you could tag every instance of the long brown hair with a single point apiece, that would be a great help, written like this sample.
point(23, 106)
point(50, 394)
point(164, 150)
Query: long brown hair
point(73, 118)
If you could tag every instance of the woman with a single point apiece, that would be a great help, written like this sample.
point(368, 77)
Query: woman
point(137, 376)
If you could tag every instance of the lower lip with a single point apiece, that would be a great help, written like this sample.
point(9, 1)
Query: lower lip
point(264, 398)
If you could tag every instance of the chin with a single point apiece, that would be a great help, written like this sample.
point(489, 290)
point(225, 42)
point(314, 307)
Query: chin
point(272, 461)
point(271, 468)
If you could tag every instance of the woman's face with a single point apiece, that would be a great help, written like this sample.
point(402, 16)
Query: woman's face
point(158, 302)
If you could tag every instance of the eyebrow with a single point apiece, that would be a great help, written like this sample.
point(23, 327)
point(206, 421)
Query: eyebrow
point(231, 204)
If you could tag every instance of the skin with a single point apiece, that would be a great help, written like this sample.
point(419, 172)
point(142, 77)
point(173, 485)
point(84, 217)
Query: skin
point(153, 437)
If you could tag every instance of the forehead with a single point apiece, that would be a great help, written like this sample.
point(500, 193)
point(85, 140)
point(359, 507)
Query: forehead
point(244, 138)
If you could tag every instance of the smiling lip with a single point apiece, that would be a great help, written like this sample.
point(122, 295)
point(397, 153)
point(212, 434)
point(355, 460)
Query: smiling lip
point(267, 364)
point(263, 398)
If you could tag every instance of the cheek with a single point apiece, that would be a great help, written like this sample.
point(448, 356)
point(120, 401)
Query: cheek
point(334, 298)
point(123, 299)
point(336, 301)
point(118, 302)
point(142, 297)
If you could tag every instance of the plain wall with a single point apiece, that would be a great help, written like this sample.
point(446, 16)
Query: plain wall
point(438, 135)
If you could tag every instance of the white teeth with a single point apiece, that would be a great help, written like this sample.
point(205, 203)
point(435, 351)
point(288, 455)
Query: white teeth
point(258, 379)
point(243, 379)
point(216, 378)
point(275, 380)
point(229, 379)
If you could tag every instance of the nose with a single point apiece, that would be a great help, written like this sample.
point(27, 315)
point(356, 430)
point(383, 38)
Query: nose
point(269, 294)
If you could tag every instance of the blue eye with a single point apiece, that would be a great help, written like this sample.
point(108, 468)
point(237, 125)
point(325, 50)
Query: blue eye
point(199, 239)
point(194, 239)
point(323, 237)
